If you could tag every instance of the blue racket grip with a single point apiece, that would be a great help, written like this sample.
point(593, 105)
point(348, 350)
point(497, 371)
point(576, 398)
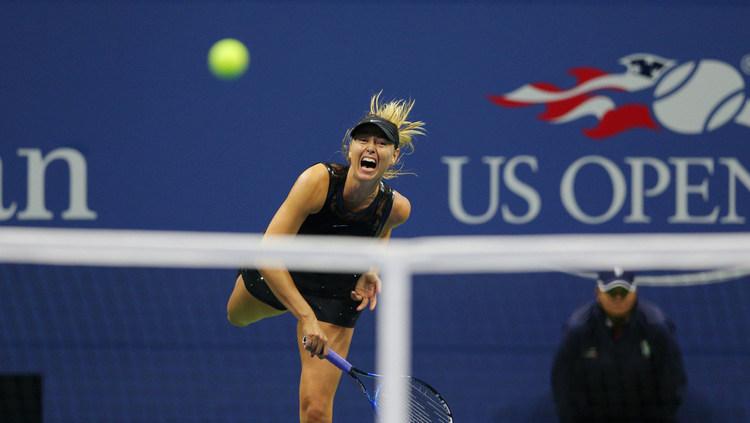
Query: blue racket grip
point(338, 361)
point(334, 358)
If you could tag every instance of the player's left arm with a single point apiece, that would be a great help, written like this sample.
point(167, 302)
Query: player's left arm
point(368, 285)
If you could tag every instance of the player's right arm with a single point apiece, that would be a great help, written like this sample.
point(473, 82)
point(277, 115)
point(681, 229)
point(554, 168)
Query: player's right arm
point(306, 197)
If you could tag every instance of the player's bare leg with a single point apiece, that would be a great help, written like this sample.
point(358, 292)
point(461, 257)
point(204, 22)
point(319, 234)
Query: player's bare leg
point(320, 379)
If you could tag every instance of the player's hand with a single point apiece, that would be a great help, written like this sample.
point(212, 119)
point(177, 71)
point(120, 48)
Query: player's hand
point(366, 291)
point(313, 338)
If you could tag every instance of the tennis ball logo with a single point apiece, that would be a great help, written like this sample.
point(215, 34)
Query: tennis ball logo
point(228, 59)
point(694, 98)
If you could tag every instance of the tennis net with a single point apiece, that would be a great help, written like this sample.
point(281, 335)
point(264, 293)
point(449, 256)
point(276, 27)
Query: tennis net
point(129, 325)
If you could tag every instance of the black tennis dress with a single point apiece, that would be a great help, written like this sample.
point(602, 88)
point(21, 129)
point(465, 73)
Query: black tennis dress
point(329, 294)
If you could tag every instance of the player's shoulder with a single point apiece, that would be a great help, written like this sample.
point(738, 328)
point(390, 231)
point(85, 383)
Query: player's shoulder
point(401, 209)
point(317, 170)
point(311, 187)
point(314, 176)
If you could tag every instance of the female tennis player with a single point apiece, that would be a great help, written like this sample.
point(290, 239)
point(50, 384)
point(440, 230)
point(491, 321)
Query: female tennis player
point(332, 199)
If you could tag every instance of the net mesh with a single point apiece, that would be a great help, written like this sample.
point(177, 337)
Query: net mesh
point(149, 343)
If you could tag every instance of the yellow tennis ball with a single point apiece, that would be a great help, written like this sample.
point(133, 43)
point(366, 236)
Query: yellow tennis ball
point(228, 59)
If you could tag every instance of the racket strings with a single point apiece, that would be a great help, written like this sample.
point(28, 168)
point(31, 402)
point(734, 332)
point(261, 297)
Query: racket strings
point(425, 407)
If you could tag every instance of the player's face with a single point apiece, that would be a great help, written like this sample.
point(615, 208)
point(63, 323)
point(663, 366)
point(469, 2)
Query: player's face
point(370, 155)
point(617, 303)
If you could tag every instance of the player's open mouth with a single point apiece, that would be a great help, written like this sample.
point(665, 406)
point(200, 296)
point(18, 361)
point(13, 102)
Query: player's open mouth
point(368, 163)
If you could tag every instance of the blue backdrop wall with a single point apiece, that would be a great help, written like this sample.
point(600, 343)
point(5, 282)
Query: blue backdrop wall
point(551, 117)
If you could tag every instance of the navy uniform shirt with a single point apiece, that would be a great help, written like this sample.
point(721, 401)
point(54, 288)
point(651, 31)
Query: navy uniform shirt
point(634, 374)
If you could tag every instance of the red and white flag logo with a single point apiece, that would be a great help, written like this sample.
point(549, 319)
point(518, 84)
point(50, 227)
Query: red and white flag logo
point(689, 98)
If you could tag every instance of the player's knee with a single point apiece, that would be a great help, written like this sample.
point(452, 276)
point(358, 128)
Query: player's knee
point(314, 410)
point(315, 415)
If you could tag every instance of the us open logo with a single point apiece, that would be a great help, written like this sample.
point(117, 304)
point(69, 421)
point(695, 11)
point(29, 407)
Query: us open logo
point(690, 98)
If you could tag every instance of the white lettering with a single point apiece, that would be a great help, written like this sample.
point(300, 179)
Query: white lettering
point(643, 178)
point(455, 201)
point(522, 189)
point(736, 171)
point(37, 165)
point(637, 192)
point(683, 189)
point(568, 196)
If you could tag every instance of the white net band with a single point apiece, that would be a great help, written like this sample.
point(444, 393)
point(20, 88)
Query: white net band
point(459, 254)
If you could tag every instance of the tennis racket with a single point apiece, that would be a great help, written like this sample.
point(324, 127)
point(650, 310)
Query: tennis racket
point(426, 405)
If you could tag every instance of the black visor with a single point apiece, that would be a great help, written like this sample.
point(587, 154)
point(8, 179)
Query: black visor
point(389, 130)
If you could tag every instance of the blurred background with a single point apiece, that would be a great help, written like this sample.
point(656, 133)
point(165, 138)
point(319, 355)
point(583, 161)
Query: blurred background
point(637, 121)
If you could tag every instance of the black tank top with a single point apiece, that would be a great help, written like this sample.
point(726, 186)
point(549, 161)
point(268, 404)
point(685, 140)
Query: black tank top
point(334, 219)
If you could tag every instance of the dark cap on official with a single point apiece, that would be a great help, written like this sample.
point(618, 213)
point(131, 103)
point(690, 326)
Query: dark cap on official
point(618, 278)
point(386, 127)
